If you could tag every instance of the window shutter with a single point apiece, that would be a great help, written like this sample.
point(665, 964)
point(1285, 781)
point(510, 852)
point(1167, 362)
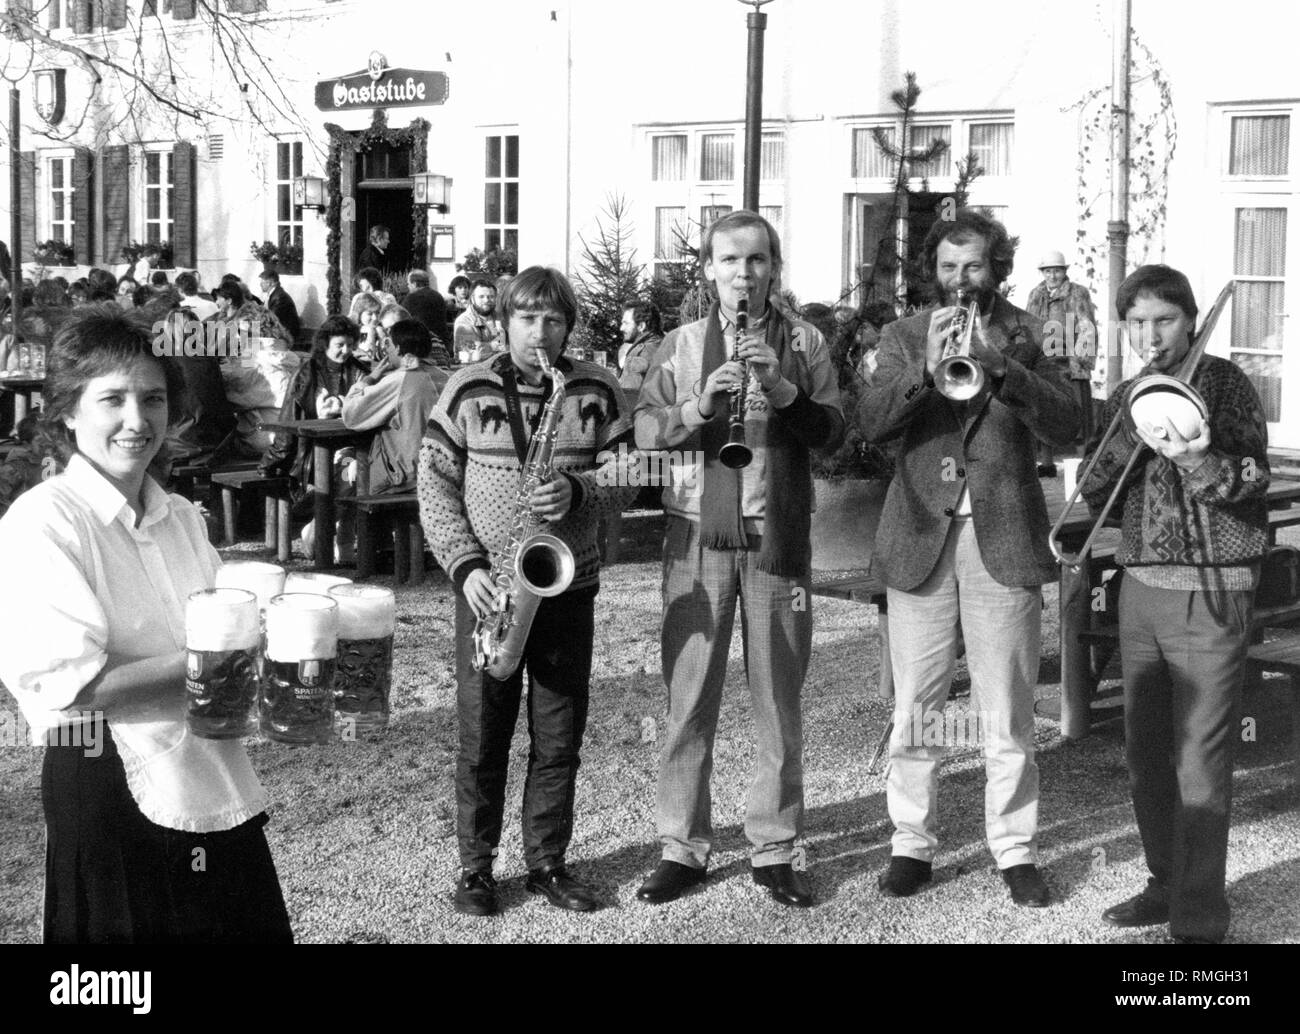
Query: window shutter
point(83, 205)
point(184, 250)
point(117, 202)
point(183, 10)
point(81, 16)
point(245, 6)
point(27, 202)
point(116, 14)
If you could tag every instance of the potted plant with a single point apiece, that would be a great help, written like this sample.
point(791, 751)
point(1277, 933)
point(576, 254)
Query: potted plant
point(494, 263)
point(162, 251)
point(284, 257)
point(54, 252)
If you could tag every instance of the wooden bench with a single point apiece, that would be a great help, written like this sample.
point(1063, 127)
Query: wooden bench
point(864, 589)
point(1281, 656)
point(408, 537)
point(189, 478)
point(276, 495)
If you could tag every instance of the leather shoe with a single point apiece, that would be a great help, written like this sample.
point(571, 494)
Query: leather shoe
point(670, 881)
point(784, 884)
point(561, 889)
point(904, 877)
point(1146, 909)
point(1027, 886)
point(1180, 939)
point(476, 894)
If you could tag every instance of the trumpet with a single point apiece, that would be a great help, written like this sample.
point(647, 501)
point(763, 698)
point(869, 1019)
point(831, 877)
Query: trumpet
point(1151, 401)
point(734, 452)
point(958, 376)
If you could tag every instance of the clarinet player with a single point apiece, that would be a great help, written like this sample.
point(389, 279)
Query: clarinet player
point(737, 536)
point(471, 462)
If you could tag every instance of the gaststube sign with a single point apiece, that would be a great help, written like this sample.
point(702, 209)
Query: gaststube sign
point(379, 86)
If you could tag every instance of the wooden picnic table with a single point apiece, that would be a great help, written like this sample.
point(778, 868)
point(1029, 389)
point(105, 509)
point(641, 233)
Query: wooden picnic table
point(326, 437)
point(23, 388)
point(1079, 671)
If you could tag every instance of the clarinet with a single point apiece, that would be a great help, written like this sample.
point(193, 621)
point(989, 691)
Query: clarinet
point(735, 453)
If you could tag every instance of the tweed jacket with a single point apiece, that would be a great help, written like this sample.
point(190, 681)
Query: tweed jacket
point(985, 444)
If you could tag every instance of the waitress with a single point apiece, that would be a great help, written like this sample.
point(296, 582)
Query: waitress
point(152, 834)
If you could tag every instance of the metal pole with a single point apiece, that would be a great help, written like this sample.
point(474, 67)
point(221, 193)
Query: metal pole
point(15, 219)
point(1117, 228)
point(757, 22)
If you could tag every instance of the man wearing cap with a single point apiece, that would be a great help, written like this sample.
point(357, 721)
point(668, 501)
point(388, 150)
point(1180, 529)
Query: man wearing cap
point(1066, 311)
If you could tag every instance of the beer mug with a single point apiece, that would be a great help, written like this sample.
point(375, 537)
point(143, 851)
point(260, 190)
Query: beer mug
point(307, 581)
point(263, 580)
point(298, 675)
point(222, 639)
point(364, 672)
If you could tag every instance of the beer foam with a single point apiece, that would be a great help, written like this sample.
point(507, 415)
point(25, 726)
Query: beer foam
point(301, 626)
point(260, 578)
point(365, 611)
point(306, 581)
point(221, 619)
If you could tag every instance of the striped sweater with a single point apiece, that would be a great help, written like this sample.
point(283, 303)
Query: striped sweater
point(469, 469)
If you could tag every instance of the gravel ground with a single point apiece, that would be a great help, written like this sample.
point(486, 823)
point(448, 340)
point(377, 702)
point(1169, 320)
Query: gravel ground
point(364, 834)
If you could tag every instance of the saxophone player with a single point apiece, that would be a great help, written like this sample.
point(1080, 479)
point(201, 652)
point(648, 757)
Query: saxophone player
point(474, 453)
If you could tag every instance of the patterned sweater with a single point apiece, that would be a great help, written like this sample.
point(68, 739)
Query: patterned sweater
point(469, 469)
point(1214, 516)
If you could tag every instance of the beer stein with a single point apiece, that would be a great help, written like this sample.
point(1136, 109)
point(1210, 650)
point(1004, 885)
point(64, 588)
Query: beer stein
point(263, 580)
point(364, 671)
point(222, 640)
point(298, 676)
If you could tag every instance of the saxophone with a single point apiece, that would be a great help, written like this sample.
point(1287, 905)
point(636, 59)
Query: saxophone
point(530, 564)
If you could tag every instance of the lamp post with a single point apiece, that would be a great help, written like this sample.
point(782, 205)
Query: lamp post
point(15, 218)
point(1117, 227)
point(756, 21)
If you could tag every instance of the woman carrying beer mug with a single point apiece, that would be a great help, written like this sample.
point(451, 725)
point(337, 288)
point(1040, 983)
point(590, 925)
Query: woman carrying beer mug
point(152, 834)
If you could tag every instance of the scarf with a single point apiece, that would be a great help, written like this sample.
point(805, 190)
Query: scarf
point(785, 548)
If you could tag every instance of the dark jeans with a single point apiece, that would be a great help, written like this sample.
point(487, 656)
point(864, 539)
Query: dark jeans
point(558, 659)
point(1183, 655)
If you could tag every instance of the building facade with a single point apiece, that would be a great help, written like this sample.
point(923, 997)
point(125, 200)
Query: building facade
point(551, 108)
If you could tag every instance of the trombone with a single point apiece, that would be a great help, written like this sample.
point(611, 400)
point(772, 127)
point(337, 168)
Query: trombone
point(1153, 394)
point(959, 377)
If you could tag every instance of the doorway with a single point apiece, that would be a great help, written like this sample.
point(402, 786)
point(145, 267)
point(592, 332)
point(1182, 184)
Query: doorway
point(384, 197)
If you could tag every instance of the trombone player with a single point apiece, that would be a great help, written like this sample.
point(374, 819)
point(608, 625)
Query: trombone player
point(1195, 529)
point(963, 539)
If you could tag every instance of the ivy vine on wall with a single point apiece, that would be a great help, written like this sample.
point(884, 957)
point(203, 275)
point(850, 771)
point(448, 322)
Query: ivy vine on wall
point(344, 145)
point(1153, 138)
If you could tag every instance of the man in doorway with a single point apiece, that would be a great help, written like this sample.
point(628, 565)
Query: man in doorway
point(376, 252)
point(477, 331)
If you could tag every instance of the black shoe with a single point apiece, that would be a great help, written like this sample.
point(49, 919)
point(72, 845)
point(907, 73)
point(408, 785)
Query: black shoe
point(904, 877)
point(1027, 886)
point(476, 894)
point(670, 881)
point(1146, 909)
point(1179, 939)
point(561, 889)
point(785, 885)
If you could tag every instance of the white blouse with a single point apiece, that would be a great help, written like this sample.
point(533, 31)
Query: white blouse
point(83, 582)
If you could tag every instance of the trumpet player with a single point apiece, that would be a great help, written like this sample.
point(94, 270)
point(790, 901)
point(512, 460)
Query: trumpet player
point(475, 448)
point(963, 539)
point(1195, 529)
point(737, 535)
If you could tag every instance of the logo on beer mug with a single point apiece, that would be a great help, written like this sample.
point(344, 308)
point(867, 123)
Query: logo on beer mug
point(301, 644)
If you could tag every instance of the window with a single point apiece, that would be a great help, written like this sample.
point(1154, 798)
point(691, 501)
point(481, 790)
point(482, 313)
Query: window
point(925, 135)
point(60, 221)
point(1259, 145)
point(1259, 268)
point(772, 213)
point(869, 161)
point(695, 178)
point(159, 196)
point(668, 158)
point(991, 143)
point(501, 194)
point(288, 216)
point(717, 157)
